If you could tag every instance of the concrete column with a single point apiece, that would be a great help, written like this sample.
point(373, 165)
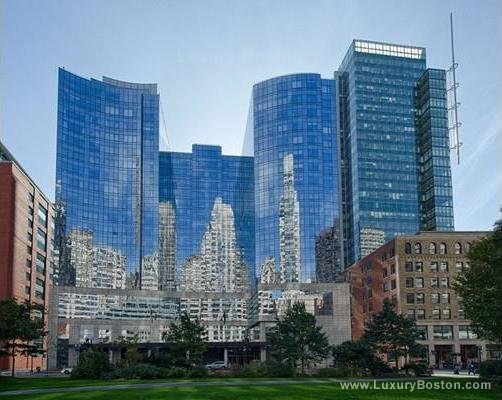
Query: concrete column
point(263, 354)
point(225, 356)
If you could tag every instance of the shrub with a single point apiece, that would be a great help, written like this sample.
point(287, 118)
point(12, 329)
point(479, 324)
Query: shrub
point(277, 369)
point(418, 369)
point(491, 369)
point(176, 372)
point(139, 371)
point(197, 373)
point(91, 365)
point(255, 370)
point(337, 373)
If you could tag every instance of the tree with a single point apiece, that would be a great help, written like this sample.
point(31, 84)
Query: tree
point(92, 364)
point(20, 328)
point(480, 287)
point(187, 342)
point(133, 355)
point(358, 357)
point(297, 339)
point(392, 334)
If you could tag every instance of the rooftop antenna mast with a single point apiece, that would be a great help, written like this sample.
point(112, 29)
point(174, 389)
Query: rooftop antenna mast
point(453, 104)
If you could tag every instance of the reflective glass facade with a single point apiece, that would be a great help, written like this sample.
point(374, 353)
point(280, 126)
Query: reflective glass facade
point(106, 179)
point(293, 127)
point(206, 183)
point(383, 164)
point(433, 145)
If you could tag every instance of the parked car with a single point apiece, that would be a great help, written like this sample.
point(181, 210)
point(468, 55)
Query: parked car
point(216, 365)
point(66, 371)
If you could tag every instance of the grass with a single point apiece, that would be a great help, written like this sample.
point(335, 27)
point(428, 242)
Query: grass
point(307, 391)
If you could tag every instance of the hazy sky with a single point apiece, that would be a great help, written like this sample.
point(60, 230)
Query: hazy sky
point(206, 55)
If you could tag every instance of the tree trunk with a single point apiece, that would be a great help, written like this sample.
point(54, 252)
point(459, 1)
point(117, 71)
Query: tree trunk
point(13, 355)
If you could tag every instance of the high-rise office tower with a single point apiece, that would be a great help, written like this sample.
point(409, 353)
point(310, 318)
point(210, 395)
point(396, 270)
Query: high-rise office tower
point(386, 144)
point(294, 116)
point(190, 184)
point(107, 173)
point(433, 149)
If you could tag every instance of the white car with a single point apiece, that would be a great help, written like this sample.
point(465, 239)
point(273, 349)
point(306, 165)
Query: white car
point(215, 365)
point(66, 371)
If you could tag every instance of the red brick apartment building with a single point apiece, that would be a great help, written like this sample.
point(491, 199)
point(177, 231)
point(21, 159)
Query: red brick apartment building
point(417, 272)
point(26, 233)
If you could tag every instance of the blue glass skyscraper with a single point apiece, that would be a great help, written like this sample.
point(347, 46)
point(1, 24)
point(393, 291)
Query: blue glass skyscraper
point(107, 179)
point(191, 183)
point(382, 163)
point(292, 124)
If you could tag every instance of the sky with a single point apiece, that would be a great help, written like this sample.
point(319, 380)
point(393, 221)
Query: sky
point(206, 55)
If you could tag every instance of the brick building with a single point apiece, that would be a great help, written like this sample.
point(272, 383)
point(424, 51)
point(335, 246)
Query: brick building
point(417, 273)
point(26, 229)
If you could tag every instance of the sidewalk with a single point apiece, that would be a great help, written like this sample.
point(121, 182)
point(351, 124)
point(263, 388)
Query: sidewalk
point(446, 373)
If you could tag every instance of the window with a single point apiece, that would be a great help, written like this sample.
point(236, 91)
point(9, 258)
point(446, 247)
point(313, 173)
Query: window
point(419, 267)
point(393, 284)
point(41, 239)
point(434, 298)
point(432, 248)
point(409, 283)
point(421, 313)
point(446, 313)
point(384, 272)
point(418, 248)
point(393, 269)
point(458, 248)
point(42, 215)
point(386, 287)
point(434, 282)
point(420, 297)
point(28, 263)
point(39, 288)
point(422, 332)
point(407, 248)
point(459, 266)
point(434, 266)
point(444, 283)
point(28, 277)
point(394, 299)
point(442, 332)
point(29, 236)
point(443, 266)
point(410, 314)
point(466, 332)
point(442, 248)
point(410, 298)
point(419, 282)
point(40, 263)
point(27, 290)
point(445, 298)
point(408, 267)
point(461, 314)
point(436, 313)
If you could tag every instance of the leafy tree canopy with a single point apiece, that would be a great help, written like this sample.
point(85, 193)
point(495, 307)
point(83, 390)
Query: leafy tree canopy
point(297, 340)
point(392, 334)
point(187, 342)
point(21, 328)
point(480, 287)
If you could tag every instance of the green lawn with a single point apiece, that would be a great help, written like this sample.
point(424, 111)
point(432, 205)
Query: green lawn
point(317, 391)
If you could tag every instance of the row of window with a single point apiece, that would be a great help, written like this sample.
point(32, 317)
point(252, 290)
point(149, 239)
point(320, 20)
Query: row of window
point(435, 266)
point(417, 248)
point(436, 298)
point(445, 332)
point(436, 282)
